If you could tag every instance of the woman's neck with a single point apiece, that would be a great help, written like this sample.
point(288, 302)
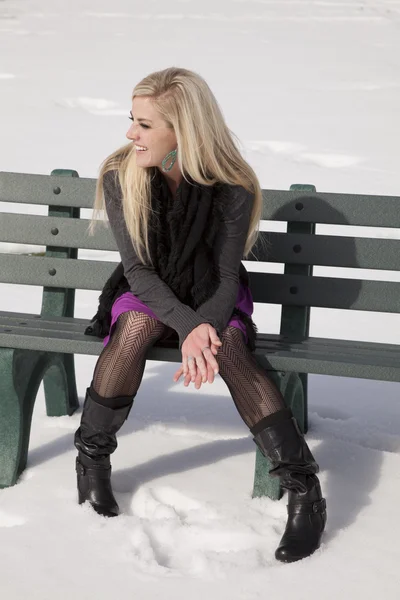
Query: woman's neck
point(173, 179)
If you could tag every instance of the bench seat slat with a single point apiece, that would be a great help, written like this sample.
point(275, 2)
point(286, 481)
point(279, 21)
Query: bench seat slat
point(77, 326)
point(41, 322)
point(313, 355)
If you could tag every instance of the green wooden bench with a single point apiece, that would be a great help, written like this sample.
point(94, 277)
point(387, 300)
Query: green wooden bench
point(40, 347)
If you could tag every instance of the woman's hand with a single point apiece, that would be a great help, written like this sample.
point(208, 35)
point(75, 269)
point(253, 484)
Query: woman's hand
point(198, 378)
point(202, 345)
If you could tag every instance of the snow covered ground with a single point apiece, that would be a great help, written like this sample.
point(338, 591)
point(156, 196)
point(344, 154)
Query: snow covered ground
point(312, 89)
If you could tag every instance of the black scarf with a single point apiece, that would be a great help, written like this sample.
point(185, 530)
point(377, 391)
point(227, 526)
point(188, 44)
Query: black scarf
point(182, 232)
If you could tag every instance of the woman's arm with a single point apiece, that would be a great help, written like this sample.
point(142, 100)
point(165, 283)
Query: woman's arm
point(228, 254)
point(143, 280)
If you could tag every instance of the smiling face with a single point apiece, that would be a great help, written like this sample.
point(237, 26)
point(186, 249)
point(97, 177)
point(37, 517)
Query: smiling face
point(150, 131)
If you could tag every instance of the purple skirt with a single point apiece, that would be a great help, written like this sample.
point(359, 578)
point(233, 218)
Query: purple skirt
point(129, 301)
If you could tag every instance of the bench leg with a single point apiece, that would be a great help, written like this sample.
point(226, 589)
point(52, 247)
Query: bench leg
point(264, 484)
point(16, 407)
point(60, 386)
point(295, 394)
point(292, 388)
point(21, 373)
point(10, 421)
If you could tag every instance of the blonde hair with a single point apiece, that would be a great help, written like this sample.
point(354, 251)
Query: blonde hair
point(206, 152)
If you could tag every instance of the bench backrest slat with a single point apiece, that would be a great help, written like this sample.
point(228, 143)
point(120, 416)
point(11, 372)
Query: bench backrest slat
point(279, 205)
point(55, 231)
point(47, 190)
point(323, 250)
point(326, 292)
point(334, 209)
point(328, 250)
point(273, 288)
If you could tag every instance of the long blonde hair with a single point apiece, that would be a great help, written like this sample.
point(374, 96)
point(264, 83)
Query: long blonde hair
point(206, 152)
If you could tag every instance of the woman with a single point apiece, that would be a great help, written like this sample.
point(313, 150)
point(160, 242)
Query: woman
point(184, 208)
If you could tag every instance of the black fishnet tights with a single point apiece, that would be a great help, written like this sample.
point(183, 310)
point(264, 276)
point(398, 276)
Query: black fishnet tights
point(120, 367)
point(255, 395)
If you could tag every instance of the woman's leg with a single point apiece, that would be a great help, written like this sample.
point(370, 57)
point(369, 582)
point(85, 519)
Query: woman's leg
point(254, 394)
point(120, 367)
point(278, 436)
point(116, 380)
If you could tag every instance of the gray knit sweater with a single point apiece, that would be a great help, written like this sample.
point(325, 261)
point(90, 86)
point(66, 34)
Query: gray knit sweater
point(149, 288)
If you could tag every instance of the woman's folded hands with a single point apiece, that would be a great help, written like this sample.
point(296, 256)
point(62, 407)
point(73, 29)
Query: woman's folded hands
point(198, 356)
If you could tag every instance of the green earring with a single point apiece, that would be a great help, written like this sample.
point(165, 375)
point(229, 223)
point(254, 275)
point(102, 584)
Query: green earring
point(172, 156)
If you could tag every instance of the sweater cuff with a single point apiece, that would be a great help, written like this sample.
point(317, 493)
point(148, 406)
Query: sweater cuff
point(216, 323)
point(185, 320)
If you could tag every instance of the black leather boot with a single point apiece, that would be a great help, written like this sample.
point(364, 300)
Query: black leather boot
point(284, 444)
point(95, 439)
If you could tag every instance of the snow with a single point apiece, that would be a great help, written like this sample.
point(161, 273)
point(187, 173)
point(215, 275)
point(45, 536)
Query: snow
point(312, 90)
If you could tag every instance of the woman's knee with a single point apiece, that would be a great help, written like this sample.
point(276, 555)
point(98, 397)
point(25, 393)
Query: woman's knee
point(133, 323)
point(232, 339)
point(231, 335)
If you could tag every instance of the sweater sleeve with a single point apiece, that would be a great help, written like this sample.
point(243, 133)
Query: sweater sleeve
point(228, 254)
point(143, 280)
